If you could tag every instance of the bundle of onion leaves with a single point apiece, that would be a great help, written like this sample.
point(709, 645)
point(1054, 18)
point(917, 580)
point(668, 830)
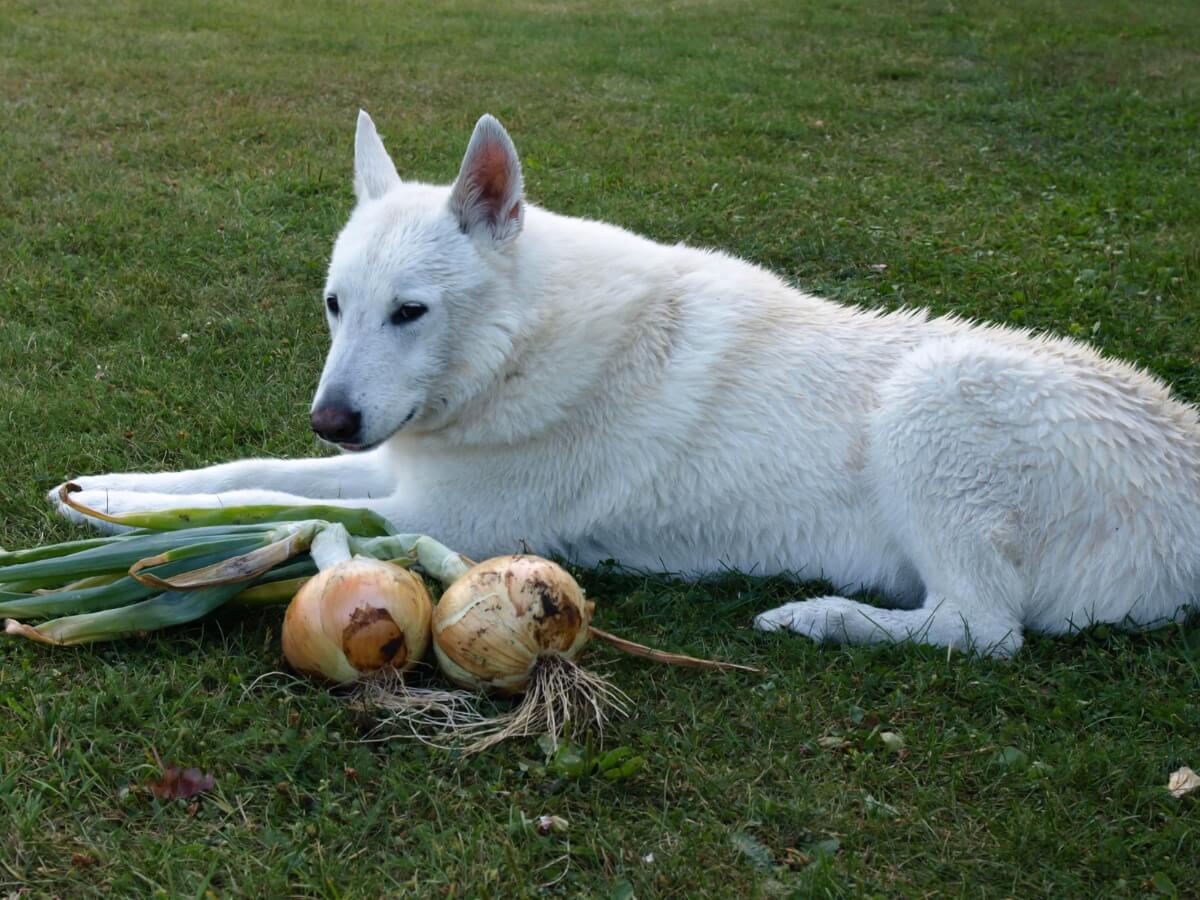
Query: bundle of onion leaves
point(167, 568)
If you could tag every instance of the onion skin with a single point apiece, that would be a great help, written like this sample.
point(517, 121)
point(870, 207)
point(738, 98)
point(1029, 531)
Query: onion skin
point(357, 617)
point(493, 624)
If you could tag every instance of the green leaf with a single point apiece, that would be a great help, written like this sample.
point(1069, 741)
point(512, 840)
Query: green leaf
point(118, 556)
point(828, 847)
point(1010, 758)
point(158, 612)
point(360, 522)
point(626, 769)
point(879, 808)
point(613, 758)
point(548, 745)
point(571, 762)
point(1163, 884)
point(753, 849)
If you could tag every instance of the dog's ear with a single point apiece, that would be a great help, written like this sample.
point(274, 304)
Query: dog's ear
point(487, 193)
point(374, 173)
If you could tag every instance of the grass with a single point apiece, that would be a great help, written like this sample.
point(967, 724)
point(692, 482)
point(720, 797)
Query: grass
point(172, 179)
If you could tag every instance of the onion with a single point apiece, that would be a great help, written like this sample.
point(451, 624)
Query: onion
point(514, 625)
point(356, 617)
point(493, 625)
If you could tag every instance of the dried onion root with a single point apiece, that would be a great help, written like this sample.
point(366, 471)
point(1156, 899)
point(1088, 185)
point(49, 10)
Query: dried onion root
point(425, 714)
point(562, 699)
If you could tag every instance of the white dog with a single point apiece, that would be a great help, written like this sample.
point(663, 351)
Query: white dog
point(503, 374)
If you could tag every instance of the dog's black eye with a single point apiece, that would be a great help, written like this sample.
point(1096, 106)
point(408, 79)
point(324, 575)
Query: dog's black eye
point(408, 312)
point(331, 304)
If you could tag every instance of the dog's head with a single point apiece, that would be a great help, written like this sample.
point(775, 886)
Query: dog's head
point(415, 297)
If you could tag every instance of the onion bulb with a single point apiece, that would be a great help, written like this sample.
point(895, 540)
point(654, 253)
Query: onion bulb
point(496, 622)
point(357, 616)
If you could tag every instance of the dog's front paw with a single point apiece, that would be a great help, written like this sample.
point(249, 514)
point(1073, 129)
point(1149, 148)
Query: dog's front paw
point(128, 481)
point(789, 617)
point(117, 502)
point(820, 619)
point(99, 499)
point(55, 494)
point(84, 484)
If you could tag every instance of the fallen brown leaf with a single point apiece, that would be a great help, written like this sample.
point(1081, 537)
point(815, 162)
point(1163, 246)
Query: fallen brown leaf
point(832, 742)
point(795, 858)
point(181, 784)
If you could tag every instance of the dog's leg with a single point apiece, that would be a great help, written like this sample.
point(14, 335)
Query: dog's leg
point(953, 457)
point(346, 476)
point(973, 591)
point(965, 555)
point(940, 623)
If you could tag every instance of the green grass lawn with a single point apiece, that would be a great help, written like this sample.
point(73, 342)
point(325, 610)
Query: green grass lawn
point(171, 179)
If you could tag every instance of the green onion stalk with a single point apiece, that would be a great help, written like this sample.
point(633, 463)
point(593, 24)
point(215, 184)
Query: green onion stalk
point(174, 566)
point(171, 567)
point(362, 522)
point(179, 583)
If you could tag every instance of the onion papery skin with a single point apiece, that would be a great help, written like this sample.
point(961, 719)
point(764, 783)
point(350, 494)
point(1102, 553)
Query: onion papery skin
point(359, 616)
point(493, 624)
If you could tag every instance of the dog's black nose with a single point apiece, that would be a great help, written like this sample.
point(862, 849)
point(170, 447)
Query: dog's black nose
point(336, 424)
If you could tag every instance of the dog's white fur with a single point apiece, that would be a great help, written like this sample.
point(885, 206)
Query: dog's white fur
point(598, 395)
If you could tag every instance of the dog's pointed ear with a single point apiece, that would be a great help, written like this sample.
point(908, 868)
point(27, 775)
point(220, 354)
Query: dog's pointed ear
point(487, 196)
point(374, 173)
